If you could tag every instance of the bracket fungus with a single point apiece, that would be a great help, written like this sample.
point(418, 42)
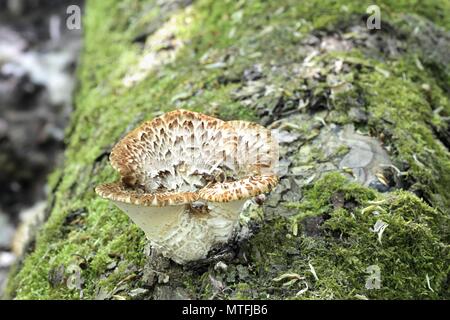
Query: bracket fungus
point(185, 177)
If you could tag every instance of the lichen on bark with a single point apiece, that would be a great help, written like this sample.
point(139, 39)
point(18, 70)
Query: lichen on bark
point(312, 72)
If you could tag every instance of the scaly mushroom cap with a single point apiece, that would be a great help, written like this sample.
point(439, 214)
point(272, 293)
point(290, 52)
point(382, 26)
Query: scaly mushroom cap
point(185, 156)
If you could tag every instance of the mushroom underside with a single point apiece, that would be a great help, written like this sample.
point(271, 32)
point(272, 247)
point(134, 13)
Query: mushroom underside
point(186, 232)
point(185, 226)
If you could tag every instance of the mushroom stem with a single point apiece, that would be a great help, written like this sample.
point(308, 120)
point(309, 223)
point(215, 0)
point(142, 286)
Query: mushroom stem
point(181, 232)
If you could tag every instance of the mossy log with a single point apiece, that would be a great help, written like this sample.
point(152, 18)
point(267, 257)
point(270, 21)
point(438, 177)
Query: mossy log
point(363, 121)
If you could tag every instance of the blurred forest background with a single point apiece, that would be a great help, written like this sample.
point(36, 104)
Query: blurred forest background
point(38, 56)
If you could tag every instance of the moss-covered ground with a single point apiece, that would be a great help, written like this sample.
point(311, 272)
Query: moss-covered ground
point(95, 247)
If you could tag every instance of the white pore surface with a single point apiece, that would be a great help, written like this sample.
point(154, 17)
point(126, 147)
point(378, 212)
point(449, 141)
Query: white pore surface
point(181, 235)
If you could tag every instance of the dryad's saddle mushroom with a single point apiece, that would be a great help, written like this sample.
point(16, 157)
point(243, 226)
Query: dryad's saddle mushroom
point(185, 177)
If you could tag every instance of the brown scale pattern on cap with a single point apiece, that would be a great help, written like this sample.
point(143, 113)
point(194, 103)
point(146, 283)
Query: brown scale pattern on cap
point(117, 191)
point(238, 190)
point(254, 136)
point(170, 160)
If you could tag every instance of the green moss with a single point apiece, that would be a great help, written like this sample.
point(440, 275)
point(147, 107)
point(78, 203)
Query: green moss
point(89, 233)
point(406, 106)
point(410, 249)
point(404, 110)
